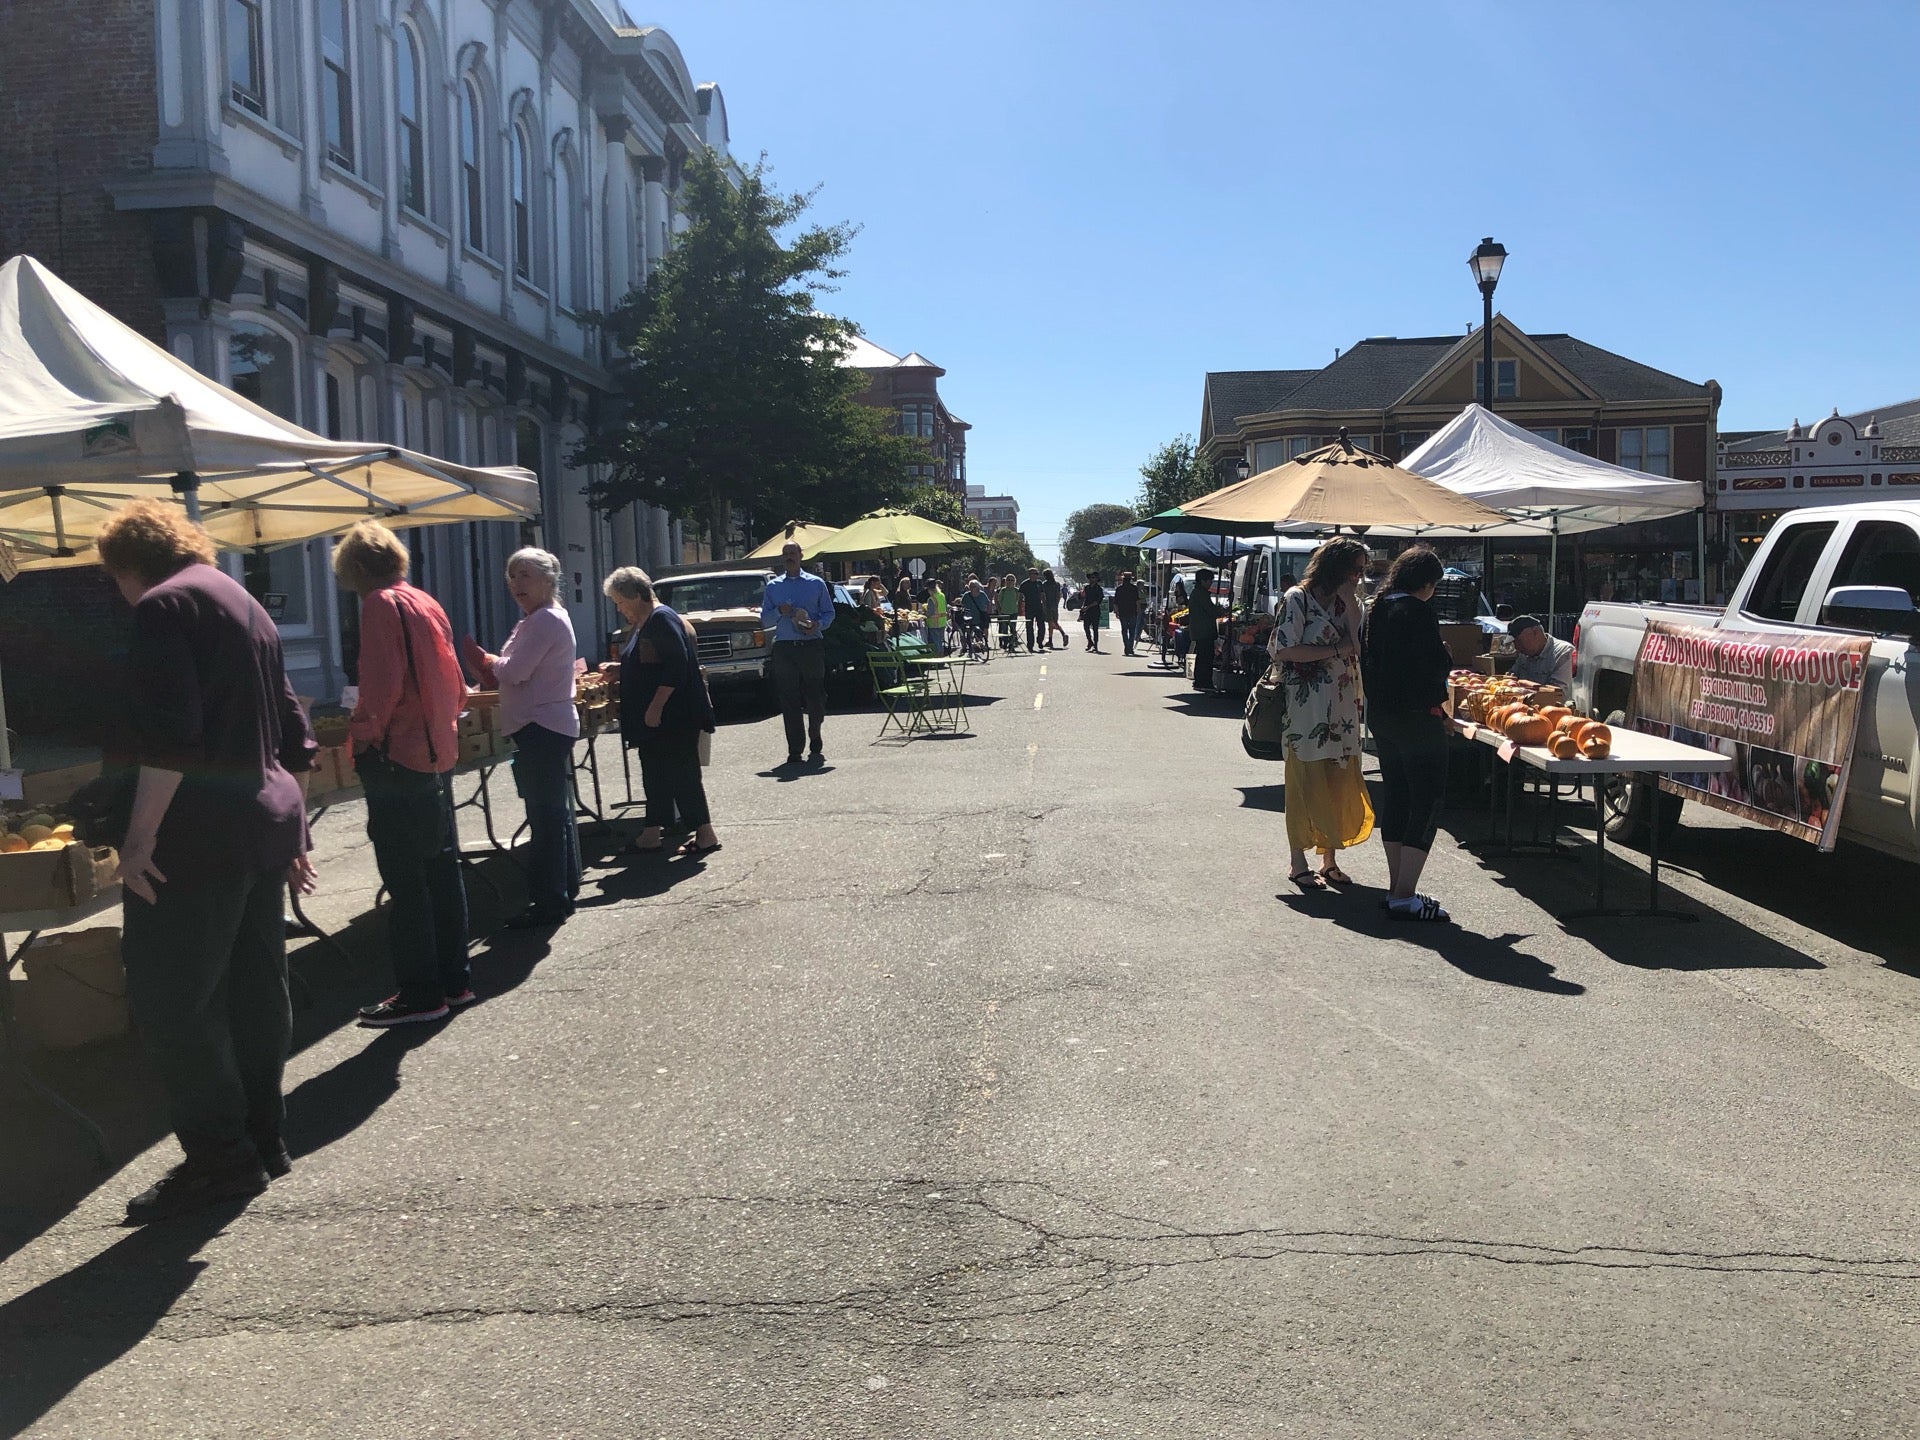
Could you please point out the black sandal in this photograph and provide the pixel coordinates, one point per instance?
(1308, 880)
(695, 849)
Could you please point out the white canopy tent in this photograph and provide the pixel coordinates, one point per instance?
(1544, 488)
(93, 414)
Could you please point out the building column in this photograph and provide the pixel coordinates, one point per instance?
(619, 209)
(653, 210)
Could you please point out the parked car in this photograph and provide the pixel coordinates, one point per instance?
(1852, 568)
(723, 606)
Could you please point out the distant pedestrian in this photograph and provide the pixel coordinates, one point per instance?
(798, 609)
(217, 832)
(1051, 596)
(936, 627)
(534, 673)
(1092, 597)
(1405, 662)
(1202, 615)
(664, 710)
(1007, 607)
(1126, 609)
(1033, 604)
(902, 595)
(1316, 639)
(405, 733)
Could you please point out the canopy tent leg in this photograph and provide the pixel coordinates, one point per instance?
(187, 486)
(1553, 571)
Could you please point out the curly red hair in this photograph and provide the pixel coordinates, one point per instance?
(151, 539)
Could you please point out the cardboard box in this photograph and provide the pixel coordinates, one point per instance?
(42, 788)
(476, 747)
(54, 879)
(1465, 643)
(76, 990)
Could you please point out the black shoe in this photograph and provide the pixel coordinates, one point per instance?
(534, 918)
(460, 1002)
(189, 1187)
(274, 1158)
(792, 760)
(818, 757)
(395, 1011)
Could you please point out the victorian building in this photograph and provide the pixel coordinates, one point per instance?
(1762, 474)
(993, 513)
(1390, 394)
(908, 386)
(383, 219)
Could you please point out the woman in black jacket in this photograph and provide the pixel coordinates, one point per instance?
(664, 707)
(1404, 665)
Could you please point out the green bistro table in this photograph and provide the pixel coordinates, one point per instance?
(946, 677)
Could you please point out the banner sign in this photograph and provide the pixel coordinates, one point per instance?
(1785, 707)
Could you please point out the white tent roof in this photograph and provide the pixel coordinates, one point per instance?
(92, 414)
(1543, 486)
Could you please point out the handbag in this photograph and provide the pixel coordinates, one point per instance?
(1263, 731)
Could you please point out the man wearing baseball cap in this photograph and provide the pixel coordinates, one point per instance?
(1543, 659)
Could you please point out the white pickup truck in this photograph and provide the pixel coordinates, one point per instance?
(1852, 568)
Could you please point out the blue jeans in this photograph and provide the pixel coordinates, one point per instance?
(417, 849)
(543, 776)
(1129, 632)
(937, 638)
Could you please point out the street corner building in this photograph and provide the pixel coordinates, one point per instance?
(385, 220)
(1391, 394)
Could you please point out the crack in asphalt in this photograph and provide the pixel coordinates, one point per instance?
(1050, 1250)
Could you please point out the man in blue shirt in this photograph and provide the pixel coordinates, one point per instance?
(798, 608)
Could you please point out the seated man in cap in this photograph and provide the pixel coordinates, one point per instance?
(1542, 658)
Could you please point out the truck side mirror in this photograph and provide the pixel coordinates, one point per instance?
(1877, 609)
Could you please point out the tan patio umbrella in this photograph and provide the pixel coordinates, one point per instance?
(1337, 486)
(806, 535)
(898, 533)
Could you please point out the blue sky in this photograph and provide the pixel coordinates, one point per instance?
(1078, 209)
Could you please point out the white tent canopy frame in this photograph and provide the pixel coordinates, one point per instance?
(93, 414)
(1544, 489)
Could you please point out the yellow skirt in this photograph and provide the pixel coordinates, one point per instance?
(1327, 806)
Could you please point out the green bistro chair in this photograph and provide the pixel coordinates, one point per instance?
(898, 690)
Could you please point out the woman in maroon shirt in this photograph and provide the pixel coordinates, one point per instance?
(405, 733)
(218, 830)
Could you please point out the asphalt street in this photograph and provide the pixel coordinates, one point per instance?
(999, 1085)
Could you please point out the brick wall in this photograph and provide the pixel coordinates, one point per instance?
(77, 110)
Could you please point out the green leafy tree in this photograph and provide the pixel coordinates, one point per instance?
(1078, 553)
(1176, 473)
(1009, 554)
(941, 505)
(733, 400)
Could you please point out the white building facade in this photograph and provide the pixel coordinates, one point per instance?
(399, 220)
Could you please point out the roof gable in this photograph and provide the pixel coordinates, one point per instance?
(1451, 381)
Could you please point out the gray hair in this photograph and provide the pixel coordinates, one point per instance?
(543, 562)
(629, 582)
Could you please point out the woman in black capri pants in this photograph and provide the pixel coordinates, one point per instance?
(1404, 665)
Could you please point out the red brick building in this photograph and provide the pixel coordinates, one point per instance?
(909, 386)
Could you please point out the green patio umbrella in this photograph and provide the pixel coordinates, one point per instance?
(795, 530)
(897, 533)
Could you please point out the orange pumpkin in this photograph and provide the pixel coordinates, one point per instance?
(1527, 728)
(1595, 741)
(1562, 746)
(1568, 721)
(1555, 713)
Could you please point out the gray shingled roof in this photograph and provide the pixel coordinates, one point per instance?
(1899, 425)
(1614, 377)
(1374, 374)
(1232, 393)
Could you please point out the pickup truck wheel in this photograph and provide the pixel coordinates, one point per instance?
(1632, 809)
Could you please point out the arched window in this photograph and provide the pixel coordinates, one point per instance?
(336, 81)
(473, 194)
(565, 208)
(522, 203)
(413, 128)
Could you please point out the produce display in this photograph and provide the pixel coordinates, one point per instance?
(1529, 714)
(34, 830)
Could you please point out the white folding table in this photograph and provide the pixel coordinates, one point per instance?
(1644, 757)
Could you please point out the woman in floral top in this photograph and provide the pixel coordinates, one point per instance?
(1317, 642)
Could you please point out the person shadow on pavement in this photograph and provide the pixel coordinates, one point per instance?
(1493, 958)
(57, 1335)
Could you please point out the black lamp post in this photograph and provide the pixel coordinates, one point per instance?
(1485, 262)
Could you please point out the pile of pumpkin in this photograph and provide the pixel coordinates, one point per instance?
(1563, 734)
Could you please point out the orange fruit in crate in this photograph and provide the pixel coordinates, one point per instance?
(12, 845)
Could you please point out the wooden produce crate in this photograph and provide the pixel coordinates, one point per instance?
(54, 879)
(75, 991)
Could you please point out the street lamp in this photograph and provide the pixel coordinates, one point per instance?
(1485, 262)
